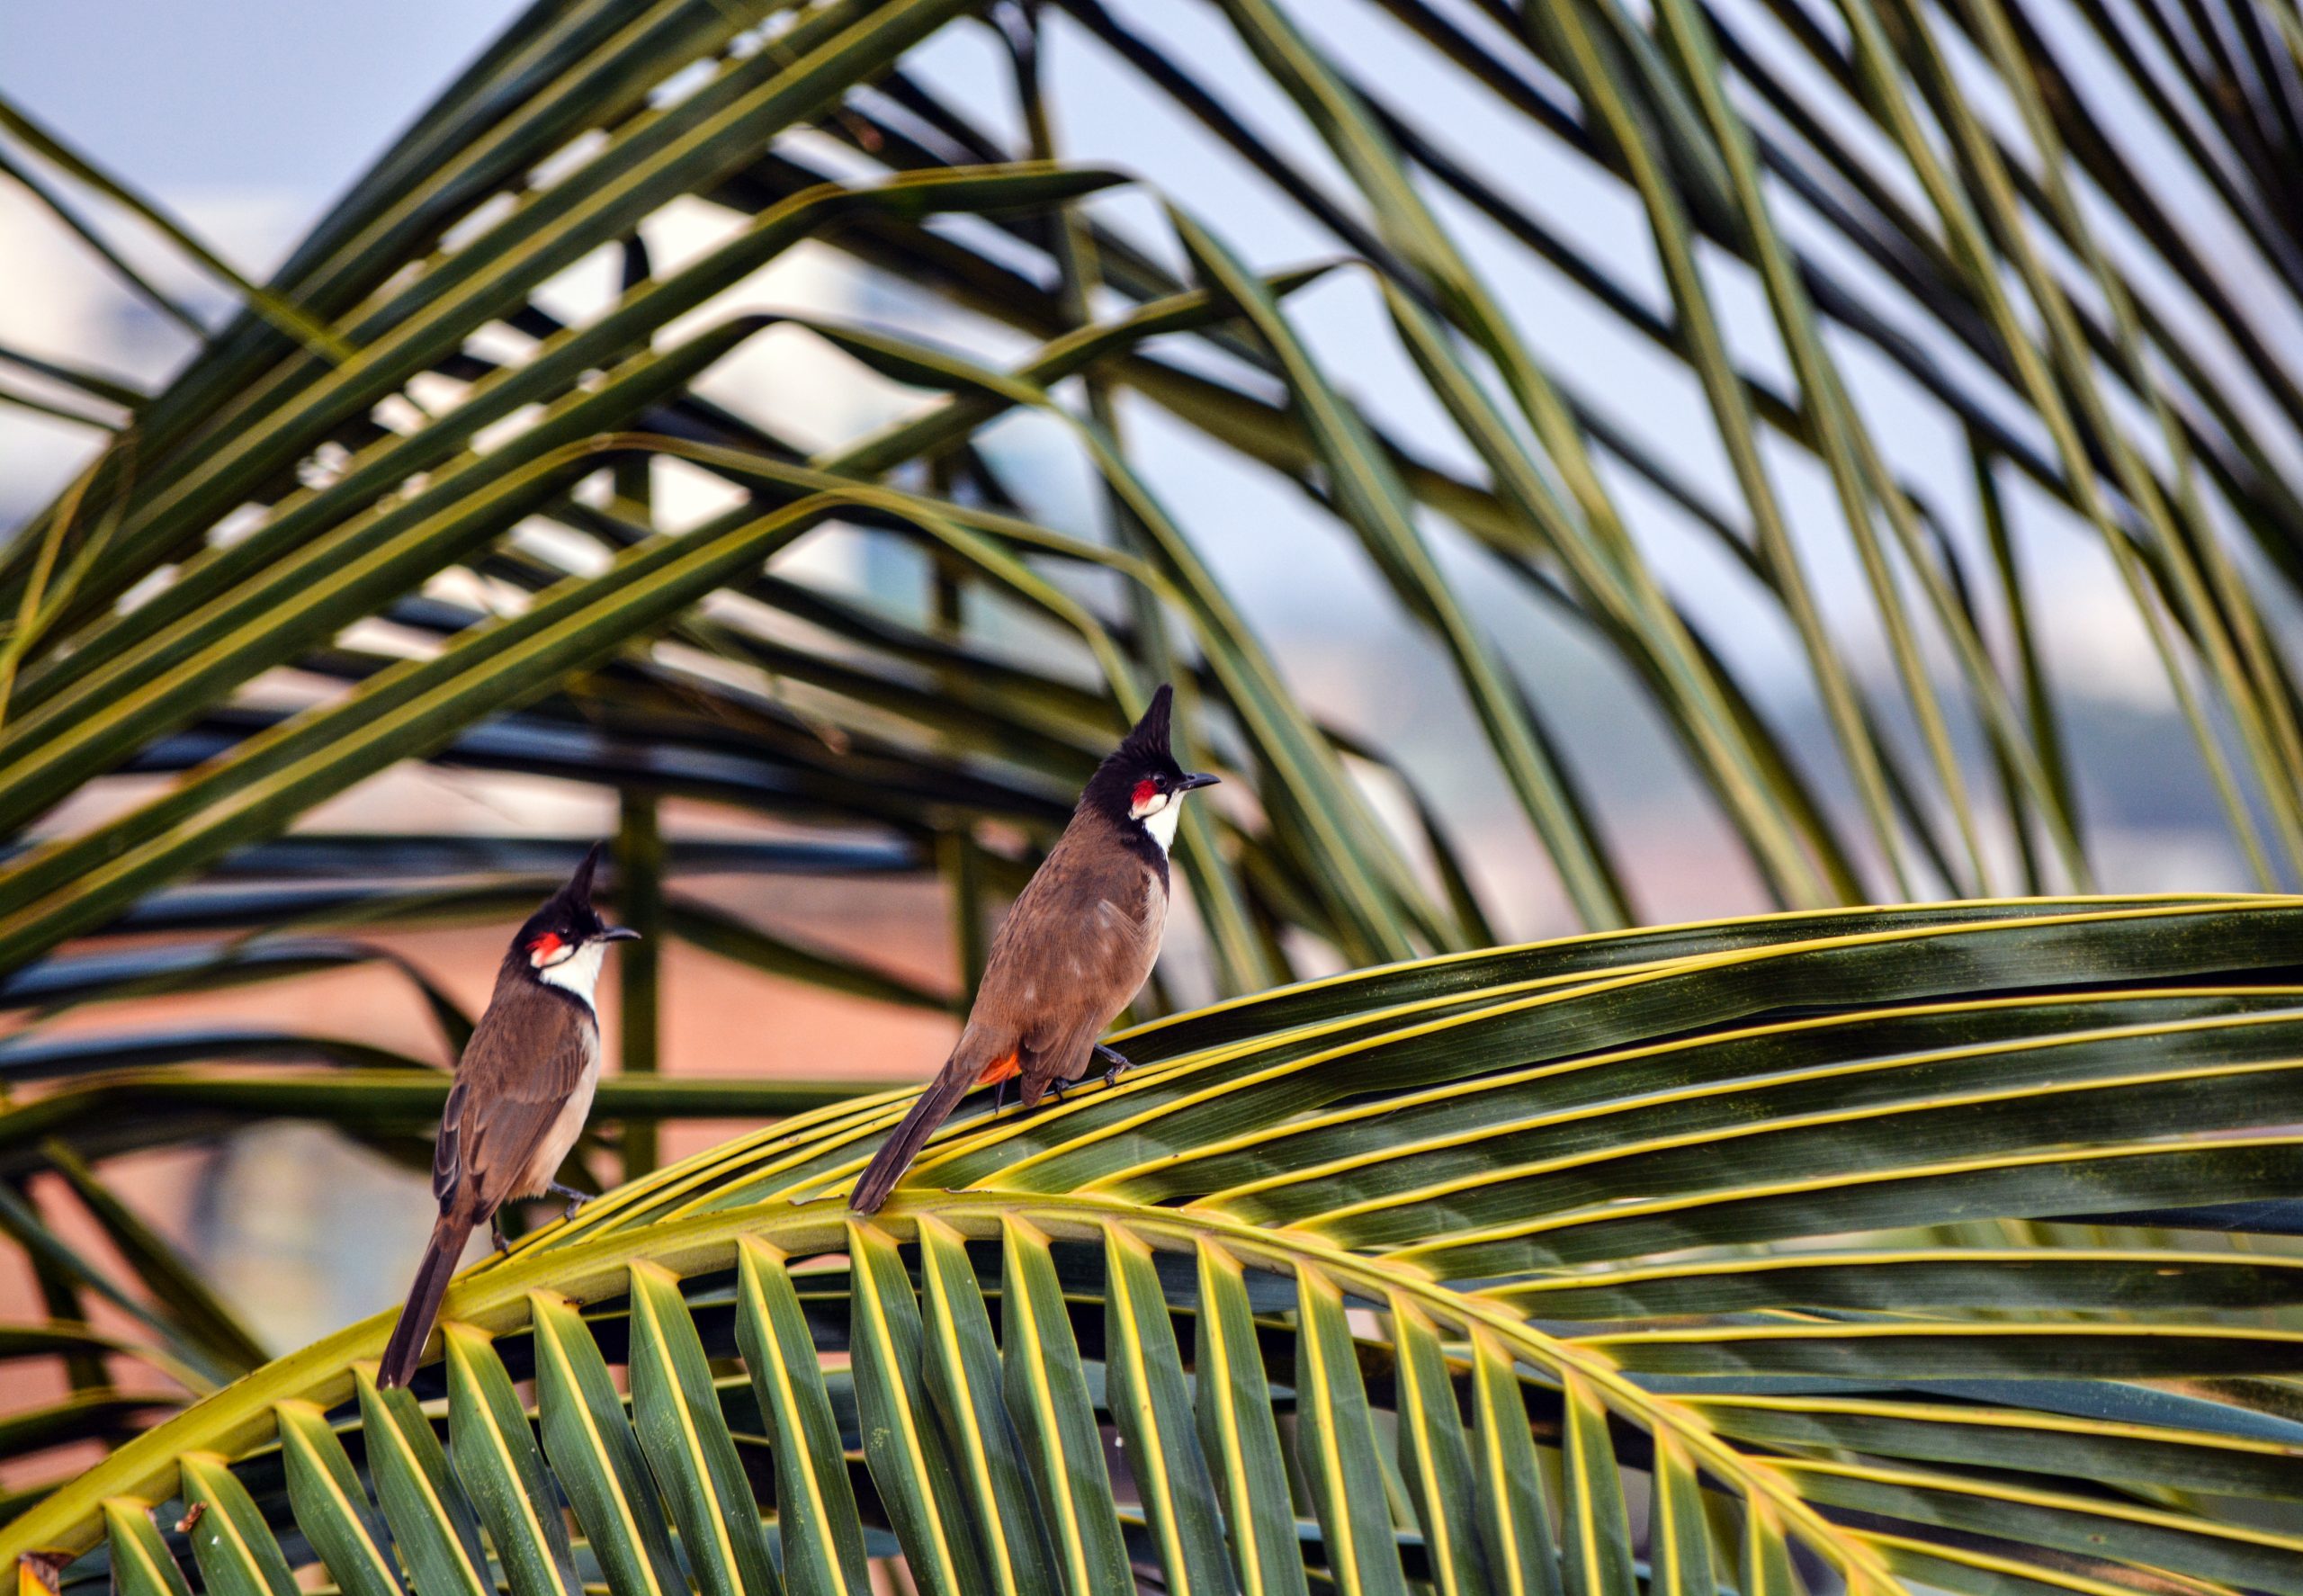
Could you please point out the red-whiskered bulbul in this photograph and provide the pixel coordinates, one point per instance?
(1072, 953)
(522, 1091)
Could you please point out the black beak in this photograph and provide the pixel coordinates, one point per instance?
(1190, 782)
(617, 934)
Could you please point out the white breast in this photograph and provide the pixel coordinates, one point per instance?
(1162, 824)
(579, 972)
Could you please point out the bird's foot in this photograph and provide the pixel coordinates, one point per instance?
(576, 1199)
(998, 1096)
(1055, 1089)
(495, 1235)
(1113, 1063)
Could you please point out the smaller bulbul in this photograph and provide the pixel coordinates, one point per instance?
(522, 1091)
(1072, 953)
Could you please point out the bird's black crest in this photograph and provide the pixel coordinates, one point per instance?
(1149, 741)
(578, 889)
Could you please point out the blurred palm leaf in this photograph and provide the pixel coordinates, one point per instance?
(1822, 1251)
(2145, 437)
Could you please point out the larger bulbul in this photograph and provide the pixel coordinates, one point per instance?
(522, 1090)
(1072, 953)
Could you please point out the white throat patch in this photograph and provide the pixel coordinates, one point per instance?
(1161, 822)
(579, 972)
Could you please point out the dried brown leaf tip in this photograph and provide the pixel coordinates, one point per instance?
(40, 1574)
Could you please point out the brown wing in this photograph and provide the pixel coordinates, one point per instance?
(526, 1056)
(447, 1154)
(1075, 949)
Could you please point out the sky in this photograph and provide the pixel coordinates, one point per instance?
(256, 96)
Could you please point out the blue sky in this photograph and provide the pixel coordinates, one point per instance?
(275, 94)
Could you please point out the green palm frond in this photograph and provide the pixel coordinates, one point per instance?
(1862, 1247)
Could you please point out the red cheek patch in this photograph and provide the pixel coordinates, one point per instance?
(1145, 791)
(543, 946)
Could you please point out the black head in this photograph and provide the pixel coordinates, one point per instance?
(1141, 781)
(567, 921)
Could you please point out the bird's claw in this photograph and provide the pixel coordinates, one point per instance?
(495, 1235)
(1113, 1063)
(576, 1199)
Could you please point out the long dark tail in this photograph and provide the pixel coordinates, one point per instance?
(903, 1143)
(414, 1326)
